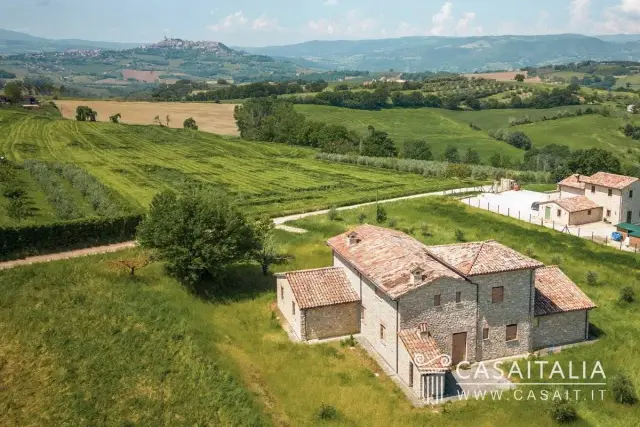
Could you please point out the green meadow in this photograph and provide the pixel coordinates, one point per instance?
(83, 343)
(139, 161)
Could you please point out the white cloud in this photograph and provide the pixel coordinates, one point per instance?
(622, 18)
(441, 19)
(230, 23)
(405, 30)
(579, 14)
(330, 2)
(353, 25)
(466, 25)
(263, 23)
(630, 6)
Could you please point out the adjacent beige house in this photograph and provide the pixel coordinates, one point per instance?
(618, 195)
(571, 211)
(426, 308)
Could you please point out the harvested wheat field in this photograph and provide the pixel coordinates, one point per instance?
(215, 118)
(504, 76)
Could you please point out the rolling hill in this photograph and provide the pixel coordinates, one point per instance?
(456, 54)
(13, 42)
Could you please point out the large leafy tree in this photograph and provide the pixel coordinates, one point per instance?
(378, 144)
(198, 234)
(417, 149)
(592, 160)
(268, 252)
(84, 113)
(13, 91)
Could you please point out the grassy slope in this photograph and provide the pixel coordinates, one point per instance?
(422, 123)
(583, 132)
(138, 161)
(150, 318)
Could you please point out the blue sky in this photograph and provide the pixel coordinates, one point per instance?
(260, 23)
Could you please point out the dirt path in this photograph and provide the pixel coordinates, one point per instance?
(66, 255)
(279, 222)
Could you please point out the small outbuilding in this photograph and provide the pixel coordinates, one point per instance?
(630, 232)
(319, 303)
(571, 211)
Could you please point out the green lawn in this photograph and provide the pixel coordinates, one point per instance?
(83, 344)
(431, 124)
(139, 161)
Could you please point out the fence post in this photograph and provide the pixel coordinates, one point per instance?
(498, 208)
(508, 211)
(553, 224)
(606, 240)
(592, 234)
(518, 214)
(529, 218)
(578, 231)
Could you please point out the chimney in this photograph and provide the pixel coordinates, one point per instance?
(416, 275)
(352, 239)
(423, 329)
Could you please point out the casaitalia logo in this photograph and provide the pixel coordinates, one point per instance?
(540, 379)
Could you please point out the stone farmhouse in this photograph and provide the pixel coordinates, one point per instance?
(599, 197)
(424, 308)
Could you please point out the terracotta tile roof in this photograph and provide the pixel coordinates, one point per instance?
(556, 293)
(575, 204)
(610, 180)
(482, 258)
(423, 350)
(321, 287)
(574, 181)
(387, 258)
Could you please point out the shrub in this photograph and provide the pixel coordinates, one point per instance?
(529, 251)
(556, 260)
(563, 412)
(393, 223)
(361, 218)
(332, 214)
(381, 214)
(115, 118)
(327, 412)
(348, 342)
(84, 113)
(190, 123)
(424, 230)
(627, 294)
(623, 390)
(592, 278)
(460, 237)
(25, 240)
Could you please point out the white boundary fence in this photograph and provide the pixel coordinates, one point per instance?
(531, 219)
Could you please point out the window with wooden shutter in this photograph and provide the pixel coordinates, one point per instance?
(458, 296)
(281, 292)
(382, 332)
(485, 334)
(497, 294)
(362, 312)
(436, 300)
(293, 308)
(512, 332)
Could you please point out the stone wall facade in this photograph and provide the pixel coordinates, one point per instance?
(332, 321)
(380, 318)
(405, 365)
(449, 318)
(516, 308)
(560, 328)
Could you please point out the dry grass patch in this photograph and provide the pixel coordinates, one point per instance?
(215, 118)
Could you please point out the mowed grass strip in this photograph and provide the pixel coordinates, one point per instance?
(140, 161)
(68, 325)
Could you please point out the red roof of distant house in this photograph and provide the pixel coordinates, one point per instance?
(423, 350)
(605, 179)
(321, 287)
(477, 258)
(610, 180)
(556, 293)
(574, 181)
(575, 204)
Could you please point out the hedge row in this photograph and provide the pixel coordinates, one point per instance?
(23, 240)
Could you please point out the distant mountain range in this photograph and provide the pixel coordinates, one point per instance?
(12, 42)
(456, 54)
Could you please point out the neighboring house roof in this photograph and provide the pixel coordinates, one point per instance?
(556, 293)
(482, 258)
(321, 287)
(575, 204)
(387, 258)
(574, 181)
(423, 350)
(610, 180)
(632, 229)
